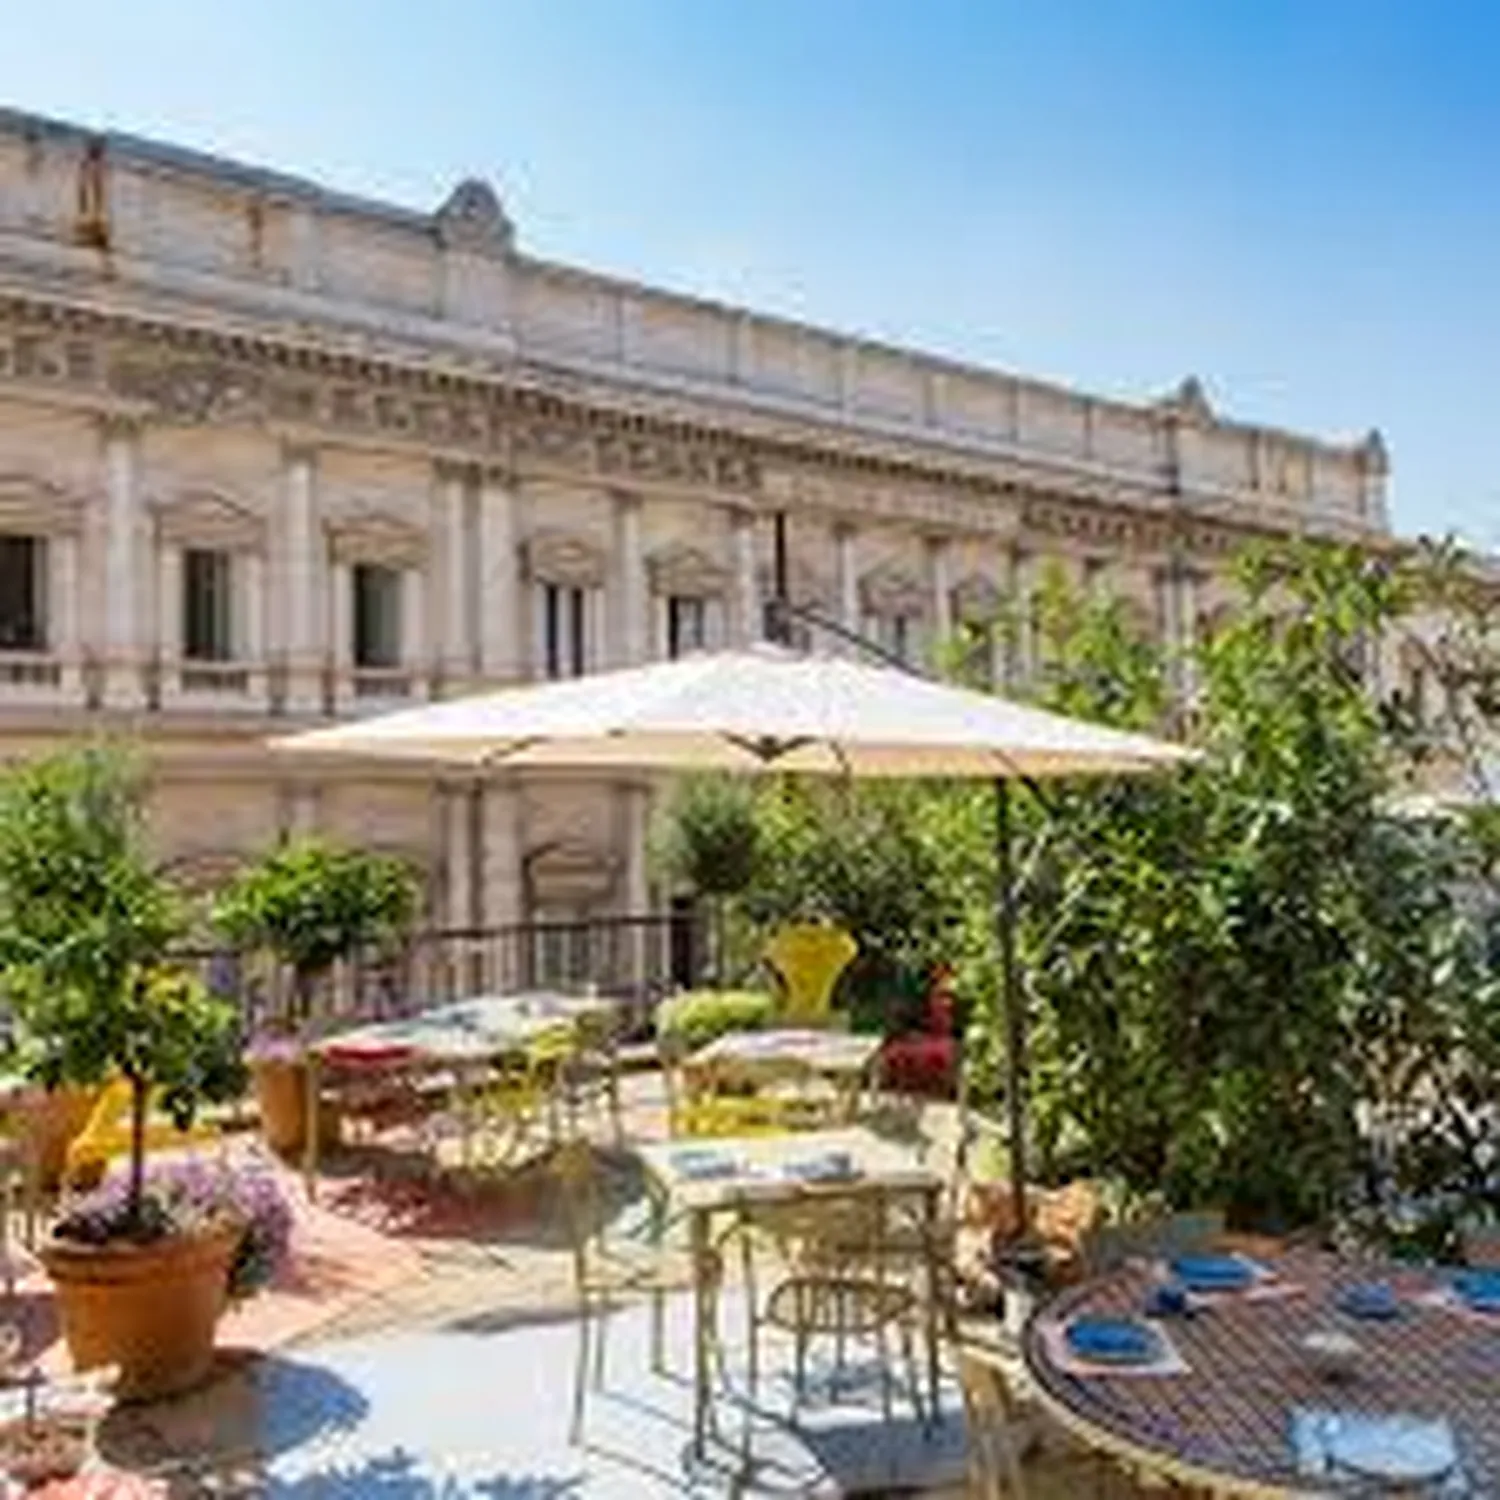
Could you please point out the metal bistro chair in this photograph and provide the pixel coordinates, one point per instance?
(991, 1420)
(611, 1267)
(807, 960)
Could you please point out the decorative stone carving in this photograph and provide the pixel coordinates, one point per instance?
(375, 537)
(687, 572)
(976, 600)
(207, 518)
(1190, 402)
(472, 219)
(566, 559)
(38, 507)
(191, 391)
(894, 591)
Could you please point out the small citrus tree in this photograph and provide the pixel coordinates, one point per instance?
(312, 902)
(85, 927)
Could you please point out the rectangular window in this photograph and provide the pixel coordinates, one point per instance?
(687, 625)
(207, 605)
(564, 630)
(894, 634)
(377, 616)
(23, 593)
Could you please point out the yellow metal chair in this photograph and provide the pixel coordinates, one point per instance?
(107, 1136)
(698, 1106)
(807, 960)
(522, 1100)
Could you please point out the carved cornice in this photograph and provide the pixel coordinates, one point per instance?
(39, 507)
(687, 571)
(535, 421)
(207, 518)
(565, 558)
(376, 537)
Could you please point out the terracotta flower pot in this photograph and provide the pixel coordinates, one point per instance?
(52, 1118)
(281, 1095)
(152, 1310)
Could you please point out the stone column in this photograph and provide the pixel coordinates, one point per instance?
(499, 581)
(940, 585)
(745, 611)
(169, 638)
(846, 581)
(124, 685)
(459, 808)
(65, 635)
(302, 568)
(629, 644)
(501, 893)
(457, 653)
(250, 643)
(414, 654)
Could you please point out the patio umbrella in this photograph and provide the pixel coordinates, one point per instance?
(767, 709)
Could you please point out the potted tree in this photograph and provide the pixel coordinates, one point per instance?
(85, 925)
(309, 903)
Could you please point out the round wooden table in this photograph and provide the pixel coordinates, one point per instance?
(1223, 1426)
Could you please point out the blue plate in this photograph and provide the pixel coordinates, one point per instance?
(1113, 1341)
(1213, 1273)
(1374, 1300)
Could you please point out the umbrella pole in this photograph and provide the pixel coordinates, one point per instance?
(1012, 1006)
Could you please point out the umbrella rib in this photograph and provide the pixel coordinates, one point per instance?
(767, 749)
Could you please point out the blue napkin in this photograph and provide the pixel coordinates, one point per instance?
(1318, 1437)
(704, 1166)
(1375, 1300)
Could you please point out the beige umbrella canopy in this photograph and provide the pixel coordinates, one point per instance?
(762, 709)
(767, 709)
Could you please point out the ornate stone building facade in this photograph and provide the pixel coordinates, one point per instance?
(270, 454)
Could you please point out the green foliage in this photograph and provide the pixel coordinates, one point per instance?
(694, 1019)
(312, 902)
(707, 837)
(85, 925)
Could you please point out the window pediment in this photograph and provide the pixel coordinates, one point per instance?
(207, 518)
(38, 507)
(570, 873)
(566, 559)
(895, 591)
(687, 572)
(377, 537)
(976, 600)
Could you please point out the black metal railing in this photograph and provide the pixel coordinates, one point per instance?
(636, 958)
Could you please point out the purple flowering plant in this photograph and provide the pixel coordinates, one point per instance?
(193, 1196)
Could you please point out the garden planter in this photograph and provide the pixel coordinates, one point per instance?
(53, 1117)
(151, 1310)
(281, 1095)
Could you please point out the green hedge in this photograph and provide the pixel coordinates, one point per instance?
(694, 1019)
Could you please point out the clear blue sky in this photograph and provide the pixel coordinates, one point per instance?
(1295, 199)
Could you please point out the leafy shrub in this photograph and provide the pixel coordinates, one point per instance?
(311, 903)
(694, 1019)
(85, 924)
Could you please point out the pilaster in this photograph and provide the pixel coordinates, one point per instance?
(628, 643)
(846, 581)
(457, 650)
(301, 559)
(745, 608)
(499, 602)
(940, 584)
(501, 898)
(124, 638)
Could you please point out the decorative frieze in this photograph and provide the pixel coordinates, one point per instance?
(688, 572)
